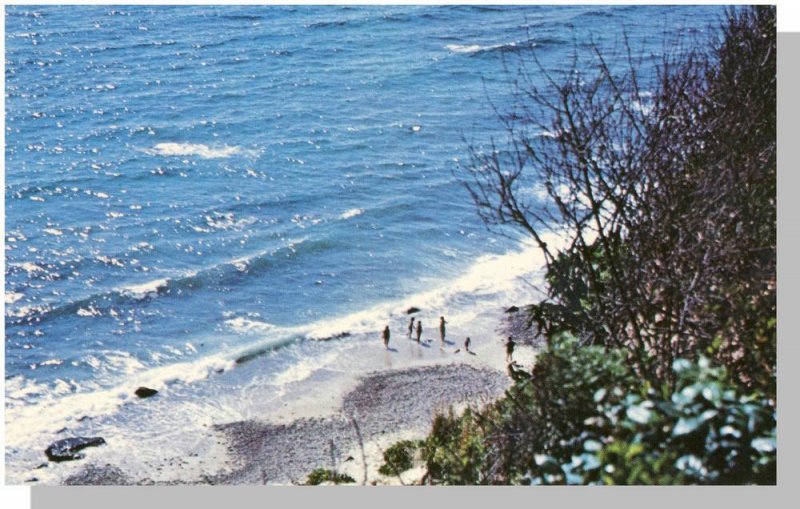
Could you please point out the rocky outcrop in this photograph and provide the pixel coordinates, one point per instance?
(145, 392)
(67, 449)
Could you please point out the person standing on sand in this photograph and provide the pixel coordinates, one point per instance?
(419, 330)
(386, 337)
(441, 327)
(411, 327)
(510, 349)
(467, 343)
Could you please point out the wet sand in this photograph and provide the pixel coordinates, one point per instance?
(347, 433)
(384, 407)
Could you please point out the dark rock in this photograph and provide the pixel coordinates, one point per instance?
(32, 479)
(341, 335)
(67, 449)
(512, 309)
(251, 355)
(43, 465)
(62, 430)
(145, 392)
(412, 310)
(84, 418)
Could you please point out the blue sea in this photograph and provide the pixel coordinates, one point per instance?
(186, 187)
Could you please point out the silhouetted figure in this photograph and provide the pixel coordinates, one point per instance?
(441, 327)
(467, 342)
(510, 349)
(419, 330)
(386, 337)
(411, 327)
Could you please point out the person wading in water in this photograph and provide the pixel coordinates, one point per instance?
(386, 337)
(441, 328)
(510, 349)
(411, 327)
(419, 330)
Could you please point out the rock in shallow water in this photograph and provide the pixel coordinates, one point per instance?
(145, 392)
(67, 449)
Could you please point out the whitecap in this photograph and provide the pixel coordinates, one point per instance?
(110, 261)
(458, 48)
(143, 290)
(53, 231)
(246, 326)
(91, 311)
(351, 213)
(51, 362)
(476, 48)
(29, 267)
(191, 149)
(12, 297)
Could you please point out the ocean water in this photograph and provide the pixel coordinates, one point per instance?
(190, 186)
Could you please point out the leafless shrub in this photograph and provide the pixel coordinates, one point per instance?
(666, 193)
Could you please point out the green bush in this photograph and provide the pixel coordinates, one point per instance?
(322, 475)
(454, 452)
(542, 413)
(705, 432)
(399, 457)
(583, 417)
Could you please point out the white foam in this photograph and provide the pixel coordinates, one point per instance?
(351, 213)
(306, 367)
(53, 231)
(475, 48)
(192, 149)
(143, 290)
(88, 312)
(458, 48)
(26, 310)
(52, 362)
(110, 261)
(29, 267)
(12, 297)
(247, 326)
(30, 425)
(227, 221)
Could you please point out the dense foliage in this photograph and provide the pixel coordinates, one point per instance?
(660, 364)
(323, 475)
(398, 458)
(665, 192)
(587, 420)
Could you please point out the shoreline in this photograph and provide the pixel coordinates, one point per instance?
(344, 423)
(384, 407)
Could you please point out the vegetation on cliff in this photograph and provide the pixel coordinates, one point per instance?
(660, 320)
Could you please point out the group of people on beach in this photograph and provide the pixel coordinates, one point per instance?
(442, 332)
(418, 329)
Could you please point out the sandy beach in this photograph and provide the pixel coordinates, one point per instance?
(383, 408)
(347, 431)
